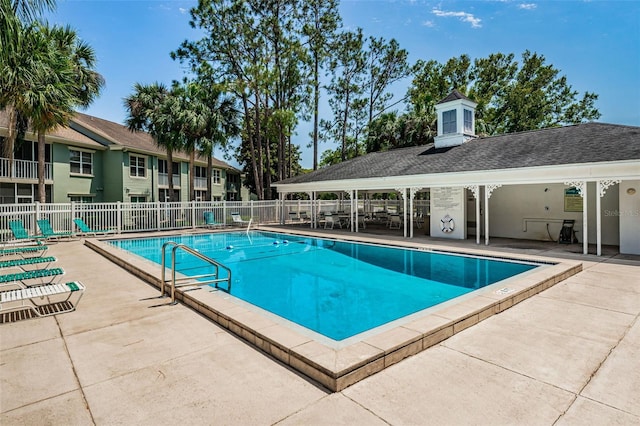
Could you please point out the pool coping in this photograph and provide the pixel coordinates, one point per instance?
(339, 367)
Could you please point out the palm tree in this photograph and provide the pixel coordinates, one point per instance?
(19, 59)
(206, 120)
(152, 108)
(66, 80)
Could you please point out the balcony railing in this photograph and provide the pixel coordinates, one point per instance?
(200, 183)
(163, 180)
(23, 169)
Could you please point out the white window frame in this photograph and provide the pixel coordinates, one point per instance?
(137, 166)
(82, 161)
(449, 124)
(216, 177)
(468, 123)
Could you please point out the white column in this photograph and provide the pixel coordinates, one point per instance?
(581, 187)
(601, 189)
(488, 189)
(281, 195)
(475, 189)
(356, 209)
(403, 194)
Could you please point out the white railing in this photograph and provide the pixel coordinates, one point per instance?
(163, 180)
(200, 183)
(156, 216)
(23, 169)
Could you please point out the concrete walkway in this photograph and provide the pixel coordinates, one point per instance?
(569, 355)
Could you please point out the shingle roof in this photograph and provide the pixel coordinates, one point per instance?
(581, 143)
(119, 134)
(454, 96)
(64, 133)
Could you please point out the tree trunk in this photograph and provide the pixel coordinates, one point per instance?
(170, 173)
(10, 141)
(42, 196)
(316, 106)
(252, 147)
(209, 177)
(192, 178)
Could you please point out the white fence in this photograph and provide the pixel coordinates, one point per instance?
(156, 216)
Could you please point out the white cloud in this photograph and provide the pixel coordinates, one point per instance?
(463, 16)
(429, 24)
(527, 6)
(183, 10)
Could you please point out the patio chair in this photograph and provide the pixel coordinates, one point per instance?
(210, 220)
(20, 233)
(394, 221)
(567, 233)
(43, 300)
(25, 252)
(47, 231)
(330, 221)
(26, 279)
(25, 264)
(237, 219)
(304, 217)
(86, 231)
(293, 217)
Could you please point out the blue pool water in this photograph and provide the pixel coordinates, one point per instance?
(335, 288)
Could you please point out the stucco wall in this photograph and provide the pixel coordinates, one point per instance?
(523, 211)
(629, 215)
(66, 183)
(449, 202)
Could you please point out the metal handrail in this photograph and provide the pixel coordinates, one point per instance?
(190, 279)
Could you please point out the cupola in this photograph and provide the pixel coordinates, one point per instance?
(456, 120)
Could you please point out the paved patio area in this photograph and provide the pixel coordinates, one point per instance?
(568, 355)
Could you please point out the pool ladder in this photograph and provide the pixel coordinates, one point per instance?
(212, 278)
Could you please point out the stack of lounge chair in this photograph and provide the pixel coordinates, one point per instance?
(29, 287)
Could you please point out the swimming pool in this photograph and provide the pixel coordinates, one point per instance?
(336, 288)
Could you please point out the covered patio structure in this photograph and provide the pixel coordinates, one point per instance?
(523, 185)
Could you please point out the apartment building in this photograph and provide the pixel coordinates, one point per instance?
(96, 160)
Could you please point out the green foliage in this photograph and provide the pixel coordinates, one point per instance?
(511, 96)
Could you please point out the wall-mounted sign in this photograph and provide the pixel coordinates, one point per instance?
(572, 200)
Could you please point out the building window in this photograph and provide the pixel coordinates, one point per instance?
(137, 167)
(216, 177)
(163, 195)
(449, 121)
(468, 121)
(200, 172)
(200, 195)
(81, 162)
(85, 199)
(217, 198)
(162, 167)
(138, 199)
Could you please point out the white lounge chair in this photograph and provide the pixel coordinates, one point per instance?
(42, 300)
(237, 219)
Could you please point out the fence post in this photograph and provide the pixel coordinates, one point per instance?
(158, 215)
(251, 210)
(119, 216)
(193, 214)
(224, 212)
(37, 217)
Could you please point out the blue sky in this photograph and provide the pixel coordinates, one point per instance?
(595, 44)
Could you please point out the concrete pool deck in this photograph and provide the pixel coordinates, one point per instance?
(566, 355)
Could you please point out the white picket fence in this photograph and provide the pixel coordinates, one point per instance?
(156, 216)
